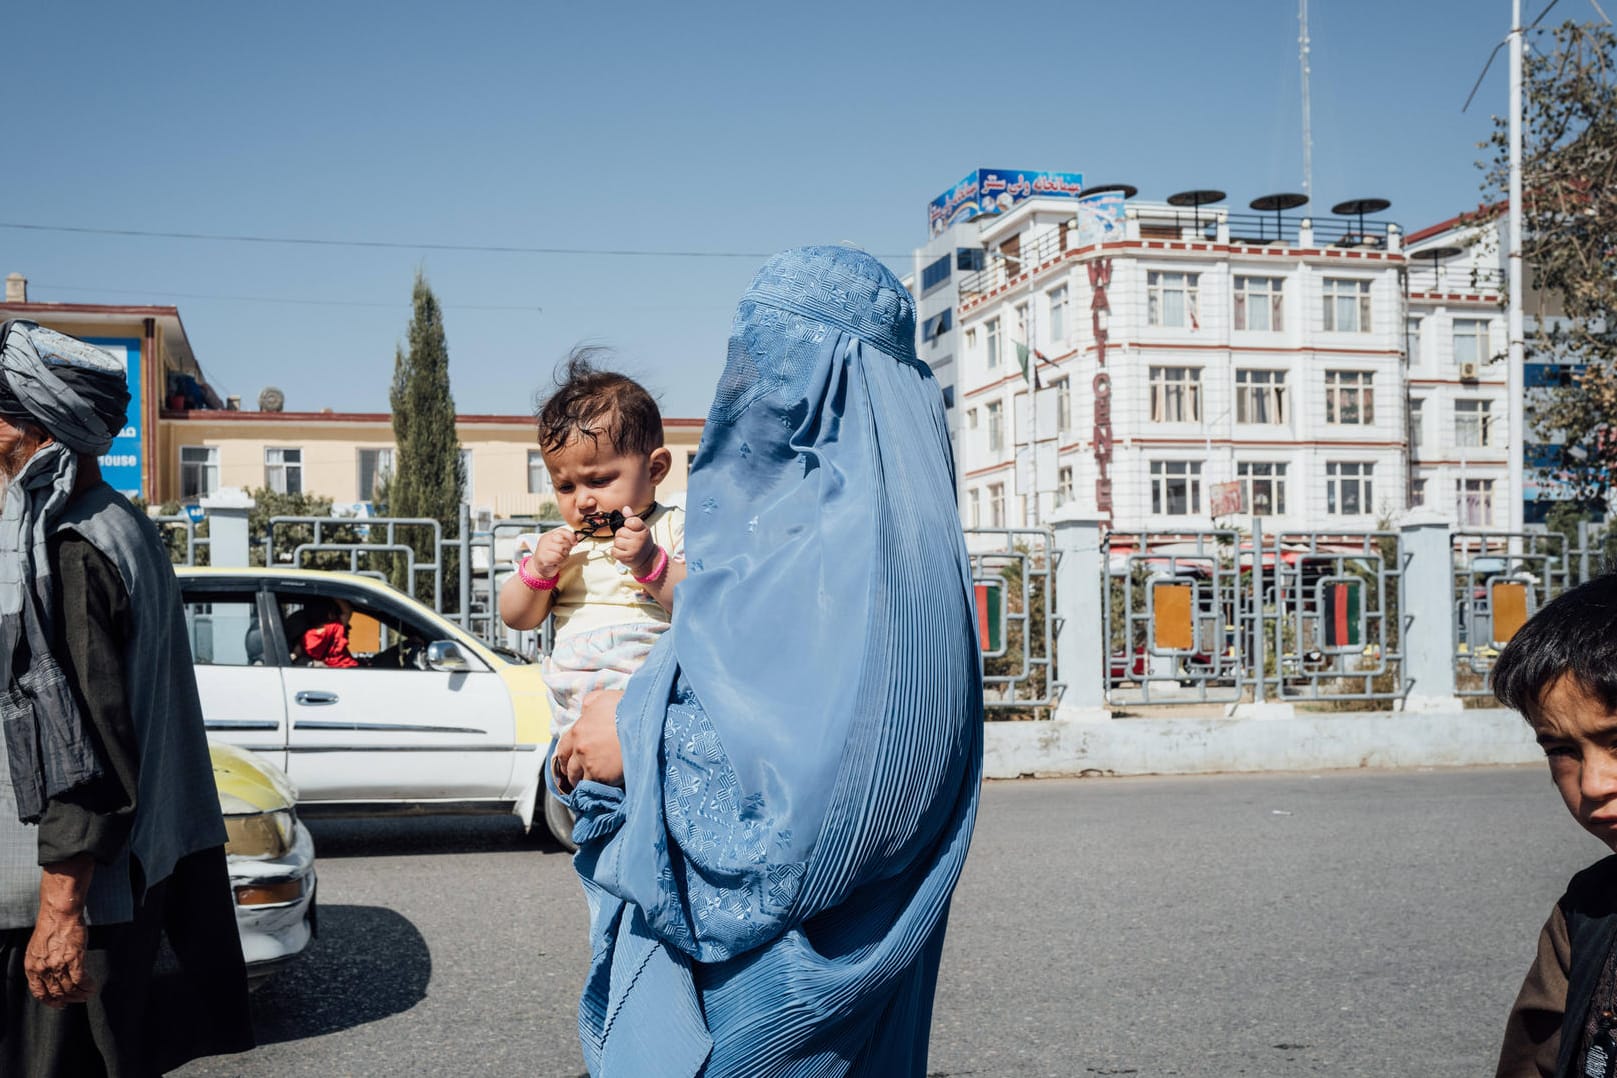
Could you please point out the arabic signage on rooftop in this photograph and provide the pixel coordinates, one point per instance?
(995, 190)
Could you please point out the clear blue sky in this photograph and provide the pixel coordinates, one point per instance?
(691, 127)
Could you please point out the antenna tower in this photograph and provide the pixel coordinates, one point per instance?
(1308, 132)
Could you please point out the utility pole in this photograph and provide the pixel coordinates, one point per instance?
(1514, 390)
(1308, 132)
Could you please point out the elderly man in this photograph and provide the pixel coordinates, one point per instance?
(110, 835)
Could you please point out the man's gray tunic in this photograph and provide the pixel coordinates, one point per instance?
(177, 807)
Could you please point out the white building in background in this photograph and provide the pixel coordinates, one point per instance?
(1181, 349)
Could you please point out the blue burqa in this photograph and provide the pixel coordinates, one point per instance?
(802, 751)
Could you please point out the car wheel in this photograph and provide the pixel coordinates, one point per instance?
(559, 821)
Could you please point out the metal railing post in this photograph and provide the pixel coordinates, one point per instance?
(227, 527)
(1428, 612)
(466, 566)
(1080, 574)
(1257, 607)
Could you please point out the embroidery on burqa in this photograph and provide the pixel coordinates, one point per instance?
(704, 801)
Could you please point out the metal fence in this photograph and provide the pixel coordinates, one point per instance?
(1222, 617)
(1012, 571)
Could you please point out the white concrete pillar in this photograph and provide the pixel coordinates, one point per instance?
(1427, 610)
(1080, 608)
(227, 527)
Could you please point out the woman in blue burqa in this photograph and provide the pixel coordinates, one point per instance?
(773, 817)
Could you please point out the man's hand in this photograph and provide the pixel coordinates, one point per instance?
(632, 545)
(551, 553)
(54, 961)
(590, 749)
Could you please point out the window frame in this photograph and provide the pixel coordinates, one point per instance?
(209, 468)
(1056, 302)
(991, 342)
(383, 454)
(1260, 389)
(1157, 290)
(1481, 489)
(1272, 290)
(1477, 422)
(1274, 479)
(1362, 478)
(996, 425)
(1360, 391)
(1357, 291)
(1480, 331)
(1170, 394)
(1165, 474)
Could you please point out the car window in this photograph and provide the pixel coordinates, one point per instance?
(223, 629)
(377, 637)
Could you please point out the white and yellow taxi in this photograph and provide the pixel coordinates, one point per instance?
(430, 720)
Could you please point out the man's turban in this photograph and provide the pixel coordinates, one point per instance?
(79, 393)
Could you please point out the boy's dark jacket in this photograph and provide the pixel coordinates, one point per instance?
(1547, 1019)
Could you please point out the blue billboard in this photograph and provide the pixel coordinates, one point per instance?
(995, 190)
(120, 465)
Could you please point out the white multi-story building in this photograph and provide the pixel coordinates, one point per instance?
(1180, 351)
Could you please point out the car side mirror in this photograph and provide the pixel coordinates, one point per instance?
(445, 656)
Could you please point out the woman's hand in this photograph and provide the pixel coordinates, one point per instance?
(590, 748)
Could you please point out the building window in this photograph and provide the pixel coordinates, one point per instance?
(1350, 398)
(1063, 388)
(1176, 394)
(934, 274)
(1260, 396)
(1265, 483)
(1259, 304)
(937, 325)
(1472, 423)
(538, 474)
(283, 470)
(1348, 488)
(1417, 422)
(1412, 338)
(996, 505)
(1176, 487)
(375, 466)
(1064, 485)
(974, 508)
(1474, 502)
(466, 494)
(948, 396)
(1470, 340)
(996, 427)
(1347, 305)
(1058, 314)
(1171, 299)
(1417, 493)
(1021, 324)
(991, 334)
(971, 419)
(199, 471)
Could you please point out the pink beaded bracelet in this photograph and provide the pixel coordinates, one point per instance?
(536, 583)
(657, 568)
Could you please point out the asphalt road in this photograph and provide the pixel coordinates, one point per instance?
(1347, 923)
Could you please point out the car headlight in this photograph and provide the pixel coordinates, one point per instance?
(261, 834)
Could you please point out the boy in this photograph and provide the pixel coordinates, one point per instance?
(1560, 672)
(609, 576)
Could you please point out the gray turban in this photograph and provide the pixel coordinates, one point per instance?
(76, 391)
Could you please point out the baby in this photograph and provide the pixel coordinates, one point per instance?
(608, 576)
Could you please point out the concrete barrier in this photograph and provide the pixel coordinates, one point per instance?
(1307, 742)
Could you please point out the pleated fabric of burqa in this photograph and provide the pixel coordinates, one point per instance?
(803, 749)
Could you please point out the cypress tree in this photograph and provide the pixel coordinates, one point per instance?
(428, 479)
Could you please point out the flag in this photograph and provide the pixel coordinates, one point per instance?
(1030, 371)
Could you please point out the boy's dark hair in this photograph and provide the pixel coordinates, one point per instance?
(1573, 635)
(591, 403)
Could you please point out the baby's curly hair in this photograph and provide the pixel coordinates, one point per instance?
(593, 403)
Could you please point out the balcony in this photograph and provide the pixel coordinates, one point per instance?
(1450, 279)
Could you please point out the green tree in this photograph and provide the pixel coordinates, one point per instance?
(1569, 235)
(428, 479)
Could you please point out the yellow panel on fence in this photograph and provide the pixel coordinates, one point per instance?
(1510, 609)
(1172, 628)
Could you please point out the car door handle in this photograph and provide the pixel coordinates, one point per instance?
(316, 699)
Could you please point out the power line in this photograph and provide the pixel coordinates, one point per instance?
(403, 303)
(391, 245)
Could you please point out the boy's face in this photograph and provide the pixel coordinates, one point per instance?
(592, 477)
(1579, 735)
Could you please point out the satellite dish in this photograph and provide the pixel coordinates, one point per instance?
(271, 400)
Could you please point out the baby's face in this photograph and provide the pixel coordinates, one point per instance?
(1579, 735)
(592, 477)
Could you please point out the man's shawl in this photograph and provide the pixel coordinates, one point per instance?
(802, 751)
